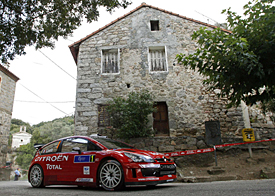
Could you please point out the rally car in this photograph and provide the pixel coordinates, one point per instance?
(98, 161)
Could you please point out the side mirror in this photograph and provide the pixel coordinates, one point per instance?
(77, 149)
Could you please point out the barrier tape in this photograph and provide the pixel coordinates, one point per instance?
(206, 150)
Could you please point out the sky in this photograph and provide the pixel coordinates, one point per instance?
(47, 86)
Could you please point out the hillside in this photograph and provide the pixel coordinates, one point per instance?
(42, 133)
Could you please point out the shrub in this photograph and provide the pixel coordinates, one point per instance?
(130, 116)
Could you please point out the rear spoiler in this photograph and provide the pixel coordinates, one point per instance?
(38, 146)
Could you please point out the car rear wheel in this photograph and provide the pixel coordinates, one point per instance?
(111, 175)
(36, 176)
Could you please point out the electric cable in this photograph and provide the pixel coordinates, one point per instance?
(44, 100)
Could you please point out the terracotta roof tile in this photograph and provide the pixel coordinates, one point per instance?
(8, 73)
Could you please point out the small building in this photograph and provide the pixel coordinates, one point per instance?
(7, 91)
(20, 138)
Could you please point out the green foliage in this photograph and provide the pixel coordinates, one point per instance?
(49, 131)
(41, 22)
(240, 63)
(43, 133)
(25, 155)
(15, 127)
(130, 116)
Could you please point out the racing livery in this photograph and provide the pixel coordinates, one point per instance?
(98, 161)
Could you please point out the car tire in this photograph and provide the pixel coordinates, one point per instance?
(37, 176)
(111, 175)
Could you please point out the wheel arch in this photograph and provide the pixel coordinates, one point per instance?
(99, 166)
(43, 182)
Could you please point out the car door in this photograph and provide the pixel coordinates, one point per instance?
(51, 161)
(81, 160)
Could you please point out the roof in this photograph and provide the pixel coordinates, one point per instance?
(8, 73)
(21, 133)
(75, 46)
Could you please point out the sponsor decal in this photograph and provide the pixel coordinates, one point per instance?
(170, 180)
(155, 153)
(53, 167)
(52, 158)
(147, 179)
(84, 180)
(84, 158)
(167, 166)
(151, 165)
(86, 170)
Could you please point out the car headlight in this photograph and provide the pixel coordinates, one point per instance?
(139, 158)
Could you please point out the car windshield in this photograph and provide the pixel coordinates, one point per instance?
(112, 144)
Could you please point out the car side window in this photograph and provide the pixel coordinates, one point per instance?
(70, 143)
(52, 148)
(93, 147)
(83, 144)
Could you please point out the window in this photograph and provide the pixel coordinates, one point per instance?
(103, 116)
(154, 25)
(83, 144)
(69, 144)
(110, 61)
(52, 148)
(157, 59)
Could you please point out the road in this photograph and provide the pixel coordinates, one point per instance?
(229, 188)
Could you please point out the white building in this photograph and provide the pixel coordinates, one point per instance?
(20, 138)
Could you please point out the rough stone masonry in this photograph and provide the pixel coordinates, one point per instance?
(189, 102)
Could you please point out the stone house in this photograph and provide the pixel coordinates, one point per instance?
(137, 51)
(7, 91)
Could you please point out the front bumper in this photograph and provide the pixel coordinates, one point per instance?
(150, 182)
(149, 174)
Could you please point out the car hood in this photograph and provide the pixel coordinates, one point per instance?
(152, 154)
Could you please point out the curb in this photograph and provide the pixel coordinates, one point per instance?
(196, 179)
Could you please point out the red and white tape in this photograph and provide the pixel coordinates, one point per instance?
(189, 152)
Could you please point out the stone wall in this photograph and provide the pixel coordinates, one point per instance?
(189, 103)
(7, 91)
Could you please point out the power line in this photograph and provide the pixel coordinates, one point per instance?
(56, 64)
(44, 100)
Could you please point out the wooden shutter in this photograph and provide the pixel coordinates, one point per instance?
(103, 117)
(157, 59)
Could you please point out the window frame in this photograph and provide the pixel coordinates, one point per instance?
(46, 147)
(110, 50)
(154, 25)
(165, 55)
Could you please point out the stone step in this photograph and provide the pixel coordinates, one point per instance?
(195, 179)
(215, 170)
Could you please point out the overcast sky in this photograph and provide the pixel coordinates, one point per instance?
(47, 86)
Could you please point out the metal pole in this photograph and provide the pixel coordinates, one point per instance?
(250, 150)
(215, 156)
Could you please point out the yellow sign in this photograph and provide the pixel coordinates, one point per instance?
(248, 135)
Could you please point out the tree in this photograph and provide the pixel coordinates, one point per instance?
(43, 133)
(130, 116)
(240, 63)
(41, 22)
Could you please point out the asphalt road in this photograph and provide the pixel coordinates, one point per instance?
(228, 188)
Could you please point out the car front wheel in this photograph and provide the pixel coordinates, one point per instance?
(111, 175)
(36, 176)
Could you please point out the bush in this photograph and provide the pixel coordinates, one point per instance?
(130, 116)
